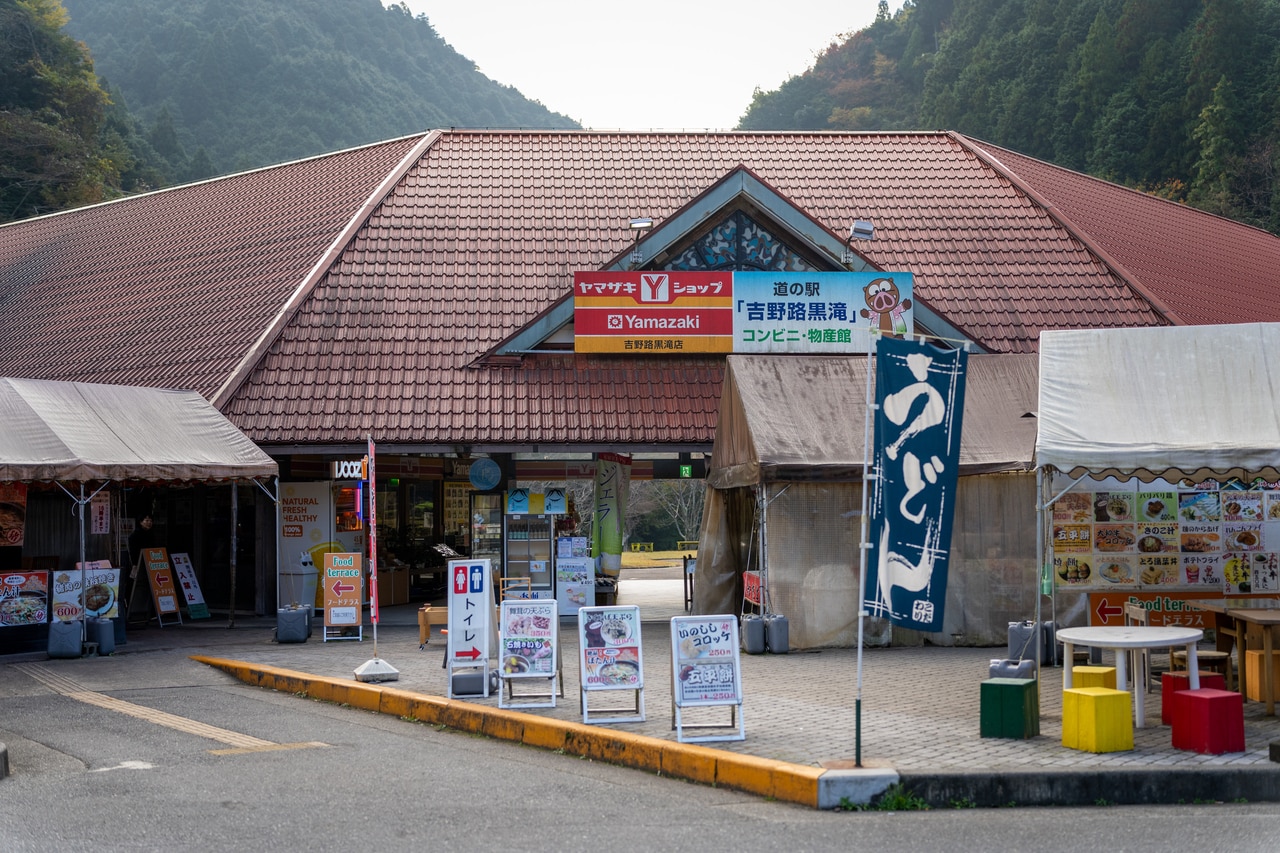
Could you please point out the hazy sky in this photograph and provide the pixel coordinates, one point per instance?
(653, 65)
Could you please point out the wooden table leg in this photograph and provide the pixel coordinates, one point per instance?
(1242, 642)
(1267, 675)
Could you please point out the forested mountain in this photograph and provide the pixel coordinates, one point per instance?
(1175, 97)
(226, 85)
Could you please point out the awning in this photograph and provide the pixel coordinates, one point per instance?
(798, 418)
(81, 432)
(1179, 402)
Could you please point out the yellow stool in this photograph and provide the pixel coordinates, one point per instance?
(1097, 719)
(1094, 676)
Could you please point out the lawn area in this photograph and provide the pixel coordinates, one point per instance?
(652, 559)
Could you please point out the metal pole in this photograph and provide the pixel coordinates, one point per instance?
(863, 545)
(84, 623)
(235, 530)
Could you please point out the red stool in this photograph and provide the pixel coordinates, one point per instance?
(1208, 721)
(1179, 679)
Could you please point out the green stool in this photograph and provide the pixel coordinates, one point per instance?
(1010, 708)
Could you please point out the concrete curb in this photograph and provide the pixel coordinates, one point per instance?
(1087, 787)
(780, 780)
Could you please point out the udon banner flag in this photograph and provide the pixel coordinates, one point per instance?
(920, 397)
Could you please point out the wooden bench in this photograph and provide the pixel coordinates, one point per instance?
(641, 546)
(687, 544)
(428, 616)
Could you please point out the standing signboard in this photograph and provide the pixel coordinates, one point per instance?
(529, 648)
(610, 658)
(190, 586)
(705, 671)
(575, 584)
(164, 591)
(343, 591)
(470, 620)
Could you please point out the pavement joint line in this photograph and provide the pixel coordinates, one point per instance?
(780, 780)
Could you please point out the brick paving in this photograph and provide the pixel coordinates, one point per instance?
(920, 706)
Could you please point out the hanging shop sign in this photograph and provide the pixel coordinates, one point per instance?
(13, 513)
(672, 311)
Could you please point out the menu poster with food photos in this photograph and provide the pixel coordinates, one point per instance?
(609, 640)
(24, 598)
(527, 637)
(705, 666)
(1160, 535)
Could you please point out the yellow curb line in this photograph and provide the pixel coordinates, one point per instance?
(781, 780)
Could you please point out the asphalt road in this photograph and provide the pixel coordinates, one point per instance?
(98, 766)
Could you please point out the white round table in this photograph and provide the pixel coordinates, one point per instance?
(1123, 638)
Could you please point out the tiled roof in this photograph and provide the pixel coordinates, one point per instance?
(1207, 270)
(169, 289)
(485, 231)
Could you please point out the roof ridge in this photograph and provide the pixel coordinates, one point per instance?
(974, 147)
(318, 271)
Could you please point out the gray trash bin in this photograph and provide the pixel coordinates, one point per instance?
(298, 583)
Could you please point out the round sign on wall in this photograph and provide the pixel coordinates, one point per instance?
(485, 474)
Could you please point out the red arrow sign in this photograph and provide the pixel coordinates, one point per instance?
(162, 580)
(339, 588)
(1106, 611)
(472, 653)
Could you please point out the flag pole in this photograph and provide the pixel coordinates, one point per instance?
(375, 669)
(863, 544)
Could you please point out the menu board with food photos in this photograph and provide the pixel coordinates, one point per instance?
(1224, 536)
(24, 598)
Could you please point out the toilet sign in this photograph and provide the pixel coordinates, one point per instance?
(470, 611)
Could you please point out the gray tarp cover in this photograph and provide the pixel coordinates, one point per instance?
(1173, 402)
(75, 431)
(802, 418)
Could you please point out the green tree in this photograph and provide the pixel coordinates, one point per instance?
(51, 108)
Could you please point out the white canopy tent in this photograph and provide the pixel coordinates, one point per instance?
(75, 432)
(1178, 404)
(89, 435)
(1173, 402)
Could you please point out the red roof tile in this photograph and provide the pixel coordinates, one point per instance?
(484, 232)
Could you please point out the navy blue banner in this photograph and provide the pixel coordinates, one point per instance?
(920, 397)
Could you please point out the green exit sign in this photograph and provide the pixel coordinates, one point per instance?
(686, 471)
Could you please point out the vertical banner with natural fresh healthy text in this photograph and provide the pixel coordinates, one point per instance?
(613, 480)
(920, 403)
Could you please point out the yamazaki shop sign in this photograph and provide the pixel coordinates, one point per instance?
(674, 312)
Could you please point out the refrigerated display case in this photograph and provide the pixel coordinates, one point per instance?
(529, 554)
(486, 527)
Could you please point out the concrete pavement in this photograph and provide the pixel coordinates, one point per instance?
(919, 720)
